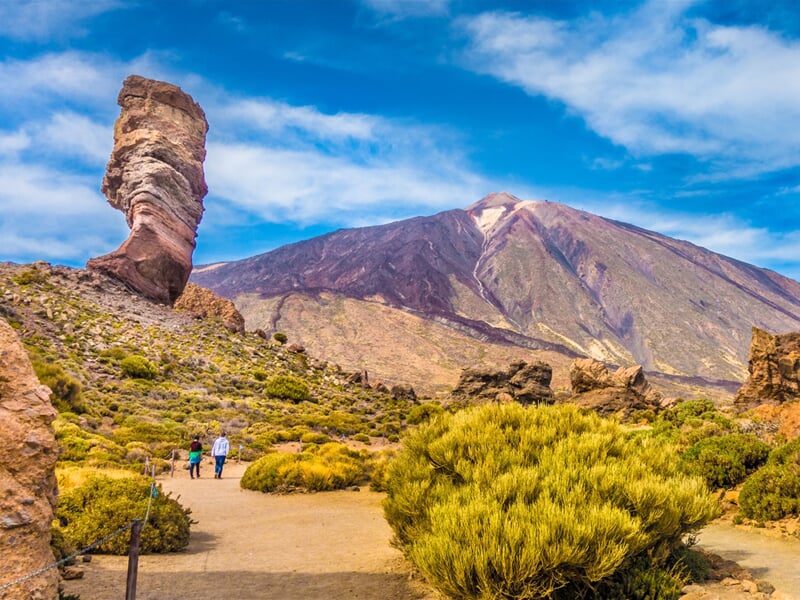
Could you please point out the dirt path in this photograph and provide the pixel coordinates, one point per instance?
(252, 546)
(776, 560)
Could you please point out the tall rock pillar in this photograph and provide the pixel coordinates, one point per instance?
(155, 176)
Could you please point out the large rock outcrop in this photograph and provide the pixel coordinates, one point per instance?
(621, 392)
(774, 367)
(527, 383)
(155, 176)
(204, 303)
(27, 475)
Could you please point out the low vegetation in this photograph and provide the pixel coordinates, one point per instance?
(101, 505)
(507, 502)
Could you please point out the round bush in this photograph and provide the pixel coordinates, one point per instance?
(423, 412)
(771, 493)
(328, 467)
(502, 501)
(288, 387)
(726, 461)
(138, 367)
(102, 505)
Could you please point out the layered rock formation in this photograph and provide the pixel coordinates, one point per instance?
(27, 476)
(621, 392)
(155, 176)
(205, 304)
(774, 367)
(521, 382)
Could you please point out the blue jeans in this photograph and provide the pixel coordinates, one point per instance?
(219, 461)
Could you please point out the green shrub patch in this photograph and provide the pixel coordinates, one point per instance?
(502, 501)
(102, 505)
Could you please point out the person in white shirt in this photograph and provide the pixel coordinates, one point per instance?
(220, 451)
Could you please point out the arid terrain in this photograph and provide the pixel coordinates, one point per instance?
(252, 546)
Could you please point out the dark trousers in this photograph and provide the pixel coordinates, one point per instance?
(194, 468)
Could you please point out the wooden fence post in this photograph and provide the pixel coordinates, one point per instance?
(133, 560)
(172, 465)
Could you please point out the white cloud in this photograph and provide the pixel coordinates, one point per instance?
(279, 118)
(12, 143)
(40, 20)
(306, 186)
(54, 215)
(656, 81)
(72, 134)
(400, 9)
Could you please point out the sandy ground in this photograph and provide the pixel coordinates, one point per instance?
(335, 545)
(773, 559)
(248, 545)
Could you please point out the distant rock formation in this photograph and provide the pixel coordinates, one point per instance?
(607, 393)
(155, 176)
(204, 303)
(522, 382)
(27, 475)
(774, 367)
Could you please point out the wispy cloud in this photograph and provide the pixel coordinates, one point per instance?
(40, 20)
(656, 81)
(400, 9)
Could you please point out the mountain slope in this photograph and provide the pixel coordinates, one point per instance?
(535, 275)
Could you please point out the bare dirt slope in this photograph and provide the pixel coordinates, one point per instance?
(252, 546)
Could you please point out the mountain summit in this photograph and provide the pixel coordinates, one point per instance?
(531, 274)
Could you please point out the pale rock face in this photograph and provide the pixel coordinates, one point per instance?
(27, 473)
(155, 176)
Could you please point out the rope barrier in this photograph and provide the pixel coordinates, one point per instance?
(66, 559)
(153, 493)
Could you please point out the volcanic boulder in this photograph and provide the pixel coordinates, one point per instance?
(204, 303)
(774, 367)
(155, 176)
(27, 475)
(606, 393)
(527, 383)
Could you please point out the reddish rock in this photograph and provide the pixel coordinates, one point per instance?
(774, 367)
(155, 176)
(606, 393)
(206, 304)
(27, 475)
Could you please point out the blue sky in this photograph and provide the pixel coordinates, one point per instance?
(678, 116)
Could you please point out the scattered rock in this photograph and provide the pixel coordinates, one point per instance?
(205, 304)
(155, 176)
(359, 378)
(27, 473)
(69, 573)
(527, 383)
(403, 391)
(774, 367)
(295, 348)
(607, 393)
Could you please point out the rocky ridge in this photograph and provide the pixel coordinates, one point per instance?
(155, 176)
(27, 473)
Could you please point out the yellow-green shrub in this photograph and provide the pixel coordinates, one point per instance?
(66, 390)
(101, 505)
(725, 461)
(288, 387)
(503, 501)
(773, 492)
(138, 367)
(320, 468)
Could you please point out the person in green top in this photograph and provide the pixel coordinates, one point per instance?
(195, 454)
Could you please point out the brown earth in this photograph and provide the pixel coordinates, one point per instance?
(252, 546)
(336, 545)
